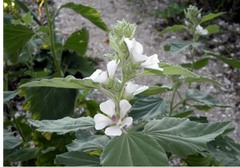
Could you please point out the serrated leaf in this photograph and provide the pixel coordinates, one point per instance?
(198, 160)
(89, 13)
(226, 150)
(133, 149)
(196, 95)
(50, 102)
(231, 62)
(87, 142)
(153, 90)
(211, 16)
(26, 9)
(78, 41)
(178, 46)
(77, 158)
(184, 112)
(200, 79)
(212, 29)
(9, 140)
(168, 69)
(173, 28)
(181, 136)
(8, 95)
(147, 108)
(27, 18)
(64, 125)
(15, 38)
(68, 82)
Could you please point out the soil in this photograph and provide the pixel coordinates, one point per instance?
(141, 13)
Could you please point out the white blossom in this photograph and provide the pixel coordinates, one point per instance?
(113, 122)
(134, 89)
(201, 31)
(99, 76)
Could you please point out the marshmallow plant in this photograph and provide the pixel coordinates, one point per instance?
(132, 127)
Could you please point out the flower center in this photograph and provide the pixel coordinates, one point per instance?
(115, 118)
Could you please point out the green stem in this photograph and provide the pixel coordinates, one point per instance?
(180, 102)
(56, 62)
(171, 103)
(31, 61)
(16, 123)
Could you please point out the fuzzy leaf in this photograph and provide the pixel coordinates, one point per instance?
(231, 62)
(15, 38)
(68, 82)
(64, 125)
(77, 158)
(78, 41)
(212, 29)
(10, 141)
(200, 79)
(133, 149)
(196, 95)
(211, 16)
(178, 46)
(183, 137)
(153, 90)
(8, 95)
(147, 108)
(173, 28)
(89, 13)
(87, 142)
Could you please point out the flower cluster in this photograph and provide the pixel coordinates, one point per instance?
(129, 55)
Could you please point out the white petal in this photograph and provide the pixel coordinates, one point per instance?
(126, 122)
(112, 67)
(151, 60)
(153, 66)
(201, 31)
(108, 107)
(113, 131)
(130, 88)
(140, 90)
(129, 44)
(101, 121)
(137, 57)
(124, 108)
(137, 46)
(99, 76)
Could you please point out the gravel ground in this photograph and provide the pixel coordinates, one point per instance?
(146, 33)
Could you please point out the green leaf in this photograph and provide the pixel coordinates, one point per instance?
(27, 18)
(183, 137)
(211, 16)
(51, 103)
(15, 38)
(89, 13)
(64, 125)
(147, 108)
(196, 95)
(184, 112)
(74, 63)
(198, 64)
(133, 149)
(153, 90)
(8, 95)
(168, 69)
(26, 9)
(200, 79)
(9, 140)
(173, 28)
(226, 150)
(212, 29)
(22, 154)
(198, 160)
(68, 82)
(87, 142)
(78, 41)
(77, 158)
(177, 46)
(231, 62)
(7, 18)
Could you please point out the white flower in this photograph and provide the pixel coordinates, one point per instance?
(136, 50)
(201, 31)
(112, 67)
(134, 89)
(112, 119)
(99, 76)
(151, 63)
